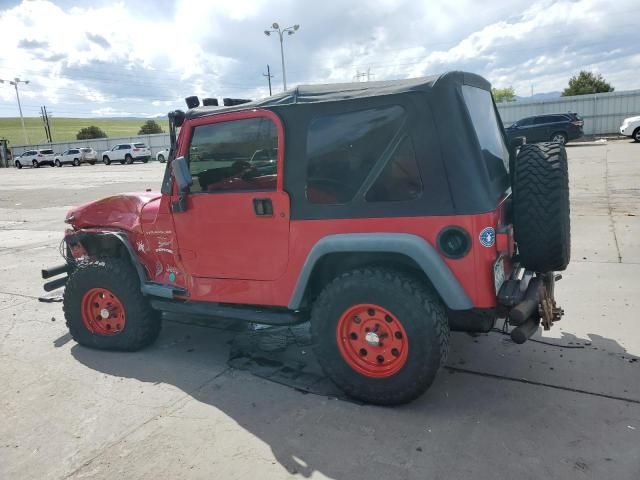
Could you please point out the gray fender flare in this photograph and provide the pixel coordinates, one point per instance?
(412, 246)
(124, 239)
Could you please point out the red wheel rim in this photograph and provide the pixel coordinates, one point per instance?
(102, 312)
(372, 340)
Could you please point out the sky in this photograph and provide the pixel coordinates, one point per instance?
(141, 58)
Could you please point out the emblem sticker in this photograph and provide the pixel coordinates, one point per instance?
(487, 237)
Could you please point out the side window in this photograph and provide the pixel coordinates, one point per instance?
(238, 155)
(125, 147)
(342, 149)
(400, 179)
(525, 122)
(115, 148)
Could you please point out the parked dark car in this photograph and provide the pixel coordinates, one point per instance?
(556, 127)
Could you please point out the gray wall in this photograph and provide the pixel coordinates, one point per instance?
(156, 142)
(602, 112)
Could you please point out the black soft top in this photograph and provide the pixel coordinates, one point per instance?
(336, 92)
(456, 175)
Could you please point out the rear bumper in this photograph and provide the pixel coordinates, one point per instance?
(142, 157)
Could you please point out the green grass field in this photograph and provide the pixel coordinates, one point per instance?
(65, 129)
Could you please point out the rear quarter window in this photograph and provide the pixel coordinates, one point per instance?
(487, 129)
(342, 148)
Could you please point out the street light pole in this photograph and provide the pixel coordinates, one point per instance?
(15, 83)
(275, 28)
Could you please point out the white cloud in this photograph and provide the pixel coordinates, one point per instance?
(145, 56)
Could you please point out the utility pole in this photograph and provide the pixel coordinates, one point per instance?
(45, 120)
(360, 76)
(275, 28)
(15, 83)
(269, 77)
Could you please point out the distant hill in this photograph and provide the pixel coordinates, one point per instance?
(541, 96)
(65, 129)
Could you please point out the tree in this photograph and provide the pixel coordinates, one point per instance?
(585, 83)
(503, 94)
(149, 127)
(88, 133)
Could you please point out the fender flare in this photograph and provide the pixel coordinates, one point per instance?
(123, 238)
(412, 246)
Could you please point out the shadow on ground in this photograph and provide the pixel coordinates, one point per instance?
(344, 440)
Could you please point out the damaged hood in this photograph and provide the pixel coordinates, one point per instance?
(119, 211)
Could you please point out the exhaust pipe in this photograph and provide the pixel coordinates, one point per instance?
(523, 333)
(527, 307)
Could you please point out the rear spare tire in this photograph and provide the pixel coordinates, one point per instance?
(541, 207)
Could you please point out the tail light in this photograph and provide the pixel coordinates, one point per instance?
(578, 123)
(136, 149)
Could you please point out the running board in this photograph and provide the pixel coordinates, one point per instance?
(263, 316)
(164, 291)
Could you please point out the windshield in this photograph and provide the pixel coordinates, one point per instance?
(485, 123)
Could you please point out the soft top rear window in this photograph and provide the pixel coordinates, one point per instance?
(139, 145)
(486, 126)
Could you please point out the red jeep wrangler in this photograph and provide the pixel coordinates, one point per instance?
(387, 213)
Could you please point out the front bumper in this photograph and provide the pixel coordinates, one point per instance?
(626, 130)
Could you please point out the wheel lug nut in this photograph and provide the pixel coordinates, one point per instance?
(395, 352)
(353, 335)
(356, 319)
(363, 352)
(397, 335)
(388, 319)
(380, 358)
(371, 312)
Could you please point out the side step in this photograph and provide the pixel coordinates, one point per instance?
(244, 314)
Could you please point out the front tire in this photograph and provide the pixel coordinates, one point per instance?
(35, 164)
(161, 158)
(106, 160)
(636, 134)
(380, 335)
(76, 162)
(105, 309)
(18, 165)
(58, 163)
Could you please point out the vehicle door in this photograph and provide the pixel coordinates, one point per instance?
(64, 156)
(236, 224)
(73, 154)
(522, 128)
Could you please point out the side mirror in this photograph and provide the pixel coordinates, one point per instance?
(182, 174)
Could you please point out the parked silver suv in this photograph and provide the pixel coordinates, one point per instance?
(35, 158)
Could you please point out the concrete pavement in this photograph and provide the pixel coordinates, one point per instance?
(178, 410)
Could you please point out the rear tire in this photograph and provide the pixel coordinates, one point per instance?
(35, 164)
(636, 134)
(106, 160)
(541, 207)
(128, 159)
(559, 137)
(161, 158)
(76, 162)
(58, 163)
(140, 324)
(409, 319)
(18, 165)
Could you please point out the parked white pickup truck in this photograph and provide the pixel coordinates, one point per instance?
(631, 128)
(127, 153)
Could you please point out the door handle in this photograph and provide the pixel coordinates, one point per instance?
(263, 207)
